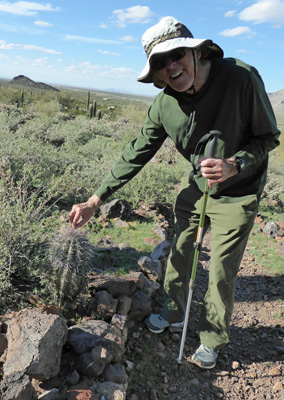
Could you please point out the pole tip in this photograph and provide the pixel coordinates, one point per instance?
(179, 361)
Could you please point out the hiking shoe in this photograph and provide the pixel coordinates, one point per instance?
(205, 357)
(157, 324)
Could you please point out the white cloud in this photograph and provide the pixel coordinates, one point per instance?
(230, 13)
(85, 39)
(108, 52)
(128, 38)
(25, 8)
(132, 15)
(12, 46)
(9, 46)
(240, 30)
(38, 48)
(41, 62)
(101, 71)
(264, 11)
(43, 24)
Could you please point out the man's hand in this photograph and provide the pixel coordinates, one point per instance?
(217, 170)
(81, 213)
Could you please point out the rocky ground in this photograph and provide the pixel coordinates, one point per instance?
(251, 367)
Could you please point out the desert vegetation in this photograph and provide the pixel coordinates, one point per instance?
(54, 153)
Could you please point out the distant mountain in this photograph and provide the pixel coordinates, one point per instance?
(277, 101)
(22, 80)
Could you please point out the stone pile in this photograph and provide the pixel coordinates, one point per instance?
(46, 357)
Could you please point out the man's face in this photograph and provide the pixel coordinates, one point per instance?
(176, 70)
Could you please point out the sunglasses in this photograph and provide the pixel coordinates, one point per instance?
(161, 62)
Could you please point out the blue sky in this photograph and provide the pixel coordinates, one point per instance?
(97, 45)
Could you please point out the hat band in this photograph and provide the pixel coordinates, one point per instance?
(182, 31)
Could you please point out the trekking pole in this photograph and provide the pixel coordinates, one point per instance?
(212, 146)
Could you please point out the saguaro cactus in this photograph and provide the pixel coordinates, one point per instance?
(94, 108)
(91, 111)
(99, 114)
(22, 97)
(88, 99)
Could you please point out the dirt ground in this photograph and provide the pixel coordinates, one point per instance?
(251, 367)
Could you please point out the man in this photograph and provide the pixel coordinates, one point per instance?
(202, 92)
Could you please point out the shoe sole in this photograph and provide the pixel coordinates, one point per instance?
(200, 365)
(172, 328)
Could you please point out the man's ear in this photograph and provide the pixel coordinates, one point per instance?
(158, 82)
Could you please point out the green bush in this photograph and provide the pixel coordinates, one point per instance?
(25, 226)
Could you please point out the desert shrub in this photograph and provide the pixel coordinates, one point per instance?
(25, 226)
(48, 108)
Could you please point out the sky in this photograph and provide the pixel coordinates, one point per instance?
(97, 45)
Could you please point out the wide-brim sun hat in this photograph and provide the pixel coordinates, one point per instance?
(170, 34)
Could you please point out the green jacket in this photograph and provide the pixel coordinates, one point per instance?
(233, 101)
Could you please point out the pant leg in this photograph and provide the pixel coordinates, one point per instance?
(231, 224)
(180, 261)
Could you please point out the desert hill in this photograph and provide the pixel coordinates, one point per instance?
(277, 100)
(22, 80)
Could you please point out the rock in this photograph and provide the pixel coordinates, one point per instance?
(116, 209)
(115, 373)
(111, 390)
(16, 386)
(141, 278)
(274, 372)
(35, 342)
(235, 365)
(86, 335)
(129, 365)
(3, 343)
(124, 305)
(160, 232)
(74, 378)
(120, 223)
(151, 288)
(81, 392)
(119, 322)
(141, 306)
(50, 395)
(152, 268)
(92, 364)
(277, 387)
(273, 229)
(103, 306)
(161, 253)
(115, 285)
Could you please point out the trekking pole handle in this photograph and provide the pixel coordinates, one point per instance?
(212, 145)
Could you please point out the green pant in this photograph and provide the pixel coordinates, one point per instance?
(231, 221)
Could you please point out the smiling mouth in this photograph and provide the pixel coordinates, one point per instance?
(177, 74)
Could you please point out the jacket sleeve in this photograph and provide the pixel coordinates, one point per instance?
(135, 155)
(263, 122)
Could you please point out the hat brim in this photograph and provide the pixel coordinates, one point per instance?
(171, 44)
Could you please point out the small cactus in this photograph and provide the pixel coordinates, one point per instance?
(99, 114)
(71, 256)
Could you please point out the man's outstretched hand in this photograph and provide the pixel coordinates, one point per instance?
(81, 213)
